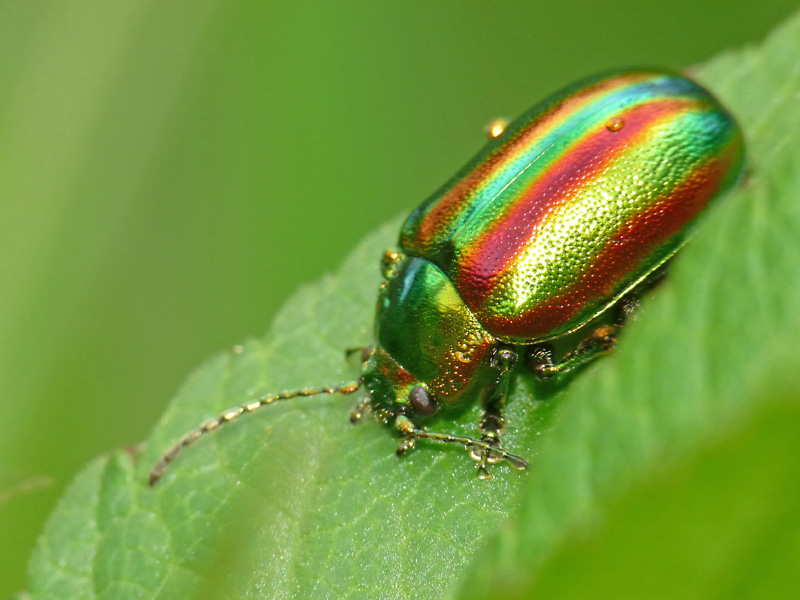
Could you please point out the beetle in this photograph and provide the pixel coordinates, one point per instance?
(556, 225)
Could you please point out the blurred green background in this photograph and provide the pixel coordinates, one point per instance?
(171, 171)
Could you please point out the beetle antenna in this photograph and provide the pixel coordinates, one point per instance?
(157, 472)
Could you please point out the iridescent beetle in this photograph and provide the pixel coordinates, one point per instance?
(560, 219)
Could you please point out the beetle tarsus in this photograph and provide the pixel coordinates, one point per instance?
(600, 341)
(357, 414)
(491, 425)
(485, 457)
(491, 449)
(405, 445)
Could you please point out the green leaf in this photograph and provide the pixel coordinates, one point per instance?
(720, 523)
(295, 502)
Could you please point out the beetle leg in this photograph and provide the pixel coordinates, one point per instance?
(492, 423)
(405, 444)
(358, 411)
(351, 352)
(491, 426)
(600, 341)
(411, 433)
(365, 351)
(624, 309)
(408, 431)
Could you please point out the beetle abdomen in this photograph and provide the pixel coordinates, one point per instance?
(577, 201)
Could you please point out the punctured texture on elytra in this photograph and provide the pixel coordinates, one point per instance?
(577, 201)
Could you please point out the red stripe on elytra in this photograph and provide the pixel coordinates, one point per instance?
(450, 204)
(510, 234)
(631, 245)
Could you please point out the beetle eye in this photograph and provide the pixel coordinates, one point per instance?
(422, 401)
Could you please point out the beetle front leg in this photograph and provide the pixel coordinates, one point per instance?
(411, 433)
(358, 411)
(491, 425)
(492, 422)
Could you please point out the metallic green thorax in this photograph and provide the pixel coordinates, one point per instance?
(422, 318)
(570, 208)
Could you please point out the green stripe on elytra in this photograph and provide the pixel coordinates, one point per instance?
(478, 202)
(604, 211)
